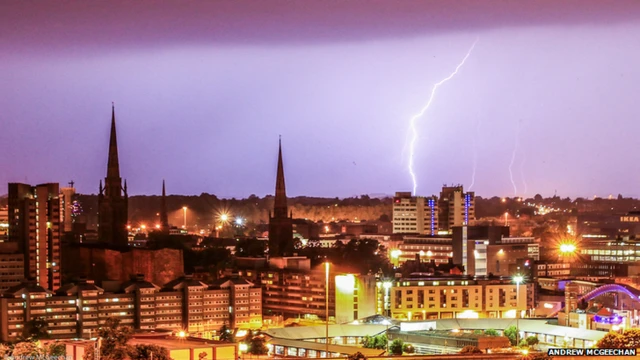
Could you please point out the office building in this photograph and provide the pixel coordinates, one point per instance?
(34, 223)
(113, 198)
(293, 290)
(458, 297)
(608, 226)
(280, 222)
(77, 310)
(437, 249)
(585, 270)
(485, 250)
(609, 251)
(414, 214)
(455, 207)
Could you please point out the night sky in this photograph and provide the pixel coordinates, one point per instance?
(202, 89)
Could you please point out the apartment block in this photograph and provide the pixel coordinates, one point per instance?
(458, 298)
(11, 265)
(78, 310)
(34, 223)
(455, 207)
(414, 214)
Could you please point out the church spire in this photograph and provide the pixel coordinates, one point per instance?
(164, 218)
(280, 205)
(113, 165)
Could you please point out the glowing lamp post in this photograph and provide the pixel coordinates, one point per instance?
(184, 216)
(518, 279)
(326, 285)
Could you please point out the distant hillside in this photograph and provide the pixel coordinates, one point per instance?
(205, 208)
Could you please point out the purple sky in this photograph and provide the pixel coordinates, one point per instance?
(204, 88)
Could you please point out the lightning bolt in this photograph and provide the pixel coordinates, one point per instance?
(413, 120)
(513, 159)
(475, 155)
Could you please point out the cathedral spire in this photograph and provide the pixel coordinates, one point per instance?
(113, 165)
(112, 205)
(164, 218)
(280, 205)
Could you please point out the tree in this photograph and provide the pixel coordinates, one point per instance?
(36, 329)
(470, 349)
(26, 349)
(144, 352)
(408, 349)
(491, 332)
(375, 342)
(225, 333)
(381, 342)
(511, 332)
(114, 339)
(532, 341)
(257, 346)
(5, 351)
(630, 339)
(611, 340)
(396, 347)
(357, 356)
(56, 349)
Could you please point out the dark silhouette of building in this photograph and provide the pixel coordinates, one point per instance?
(281, 223)
(112, 203)
(455, 207)
(34, 223)
(164, 218)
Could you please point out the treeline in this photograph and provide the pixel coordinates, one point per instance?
(206, 208)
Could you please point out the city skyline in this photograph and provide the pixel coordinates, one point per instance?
(202, 105)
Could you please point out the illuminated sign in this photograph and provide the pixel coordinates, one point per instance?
(614, 319)
(630, 219)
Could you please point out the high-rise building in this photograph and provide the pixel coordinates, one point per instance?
(415, 214)
(113, 198)
(4, 224)
(455, 207)
(11, 265)
(34, 223)
(67, 195)
(281, 223)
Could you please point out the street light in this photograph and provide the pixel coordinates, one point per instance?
(326, 296)
(518, 279)
(567, 248)
(184, 216)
